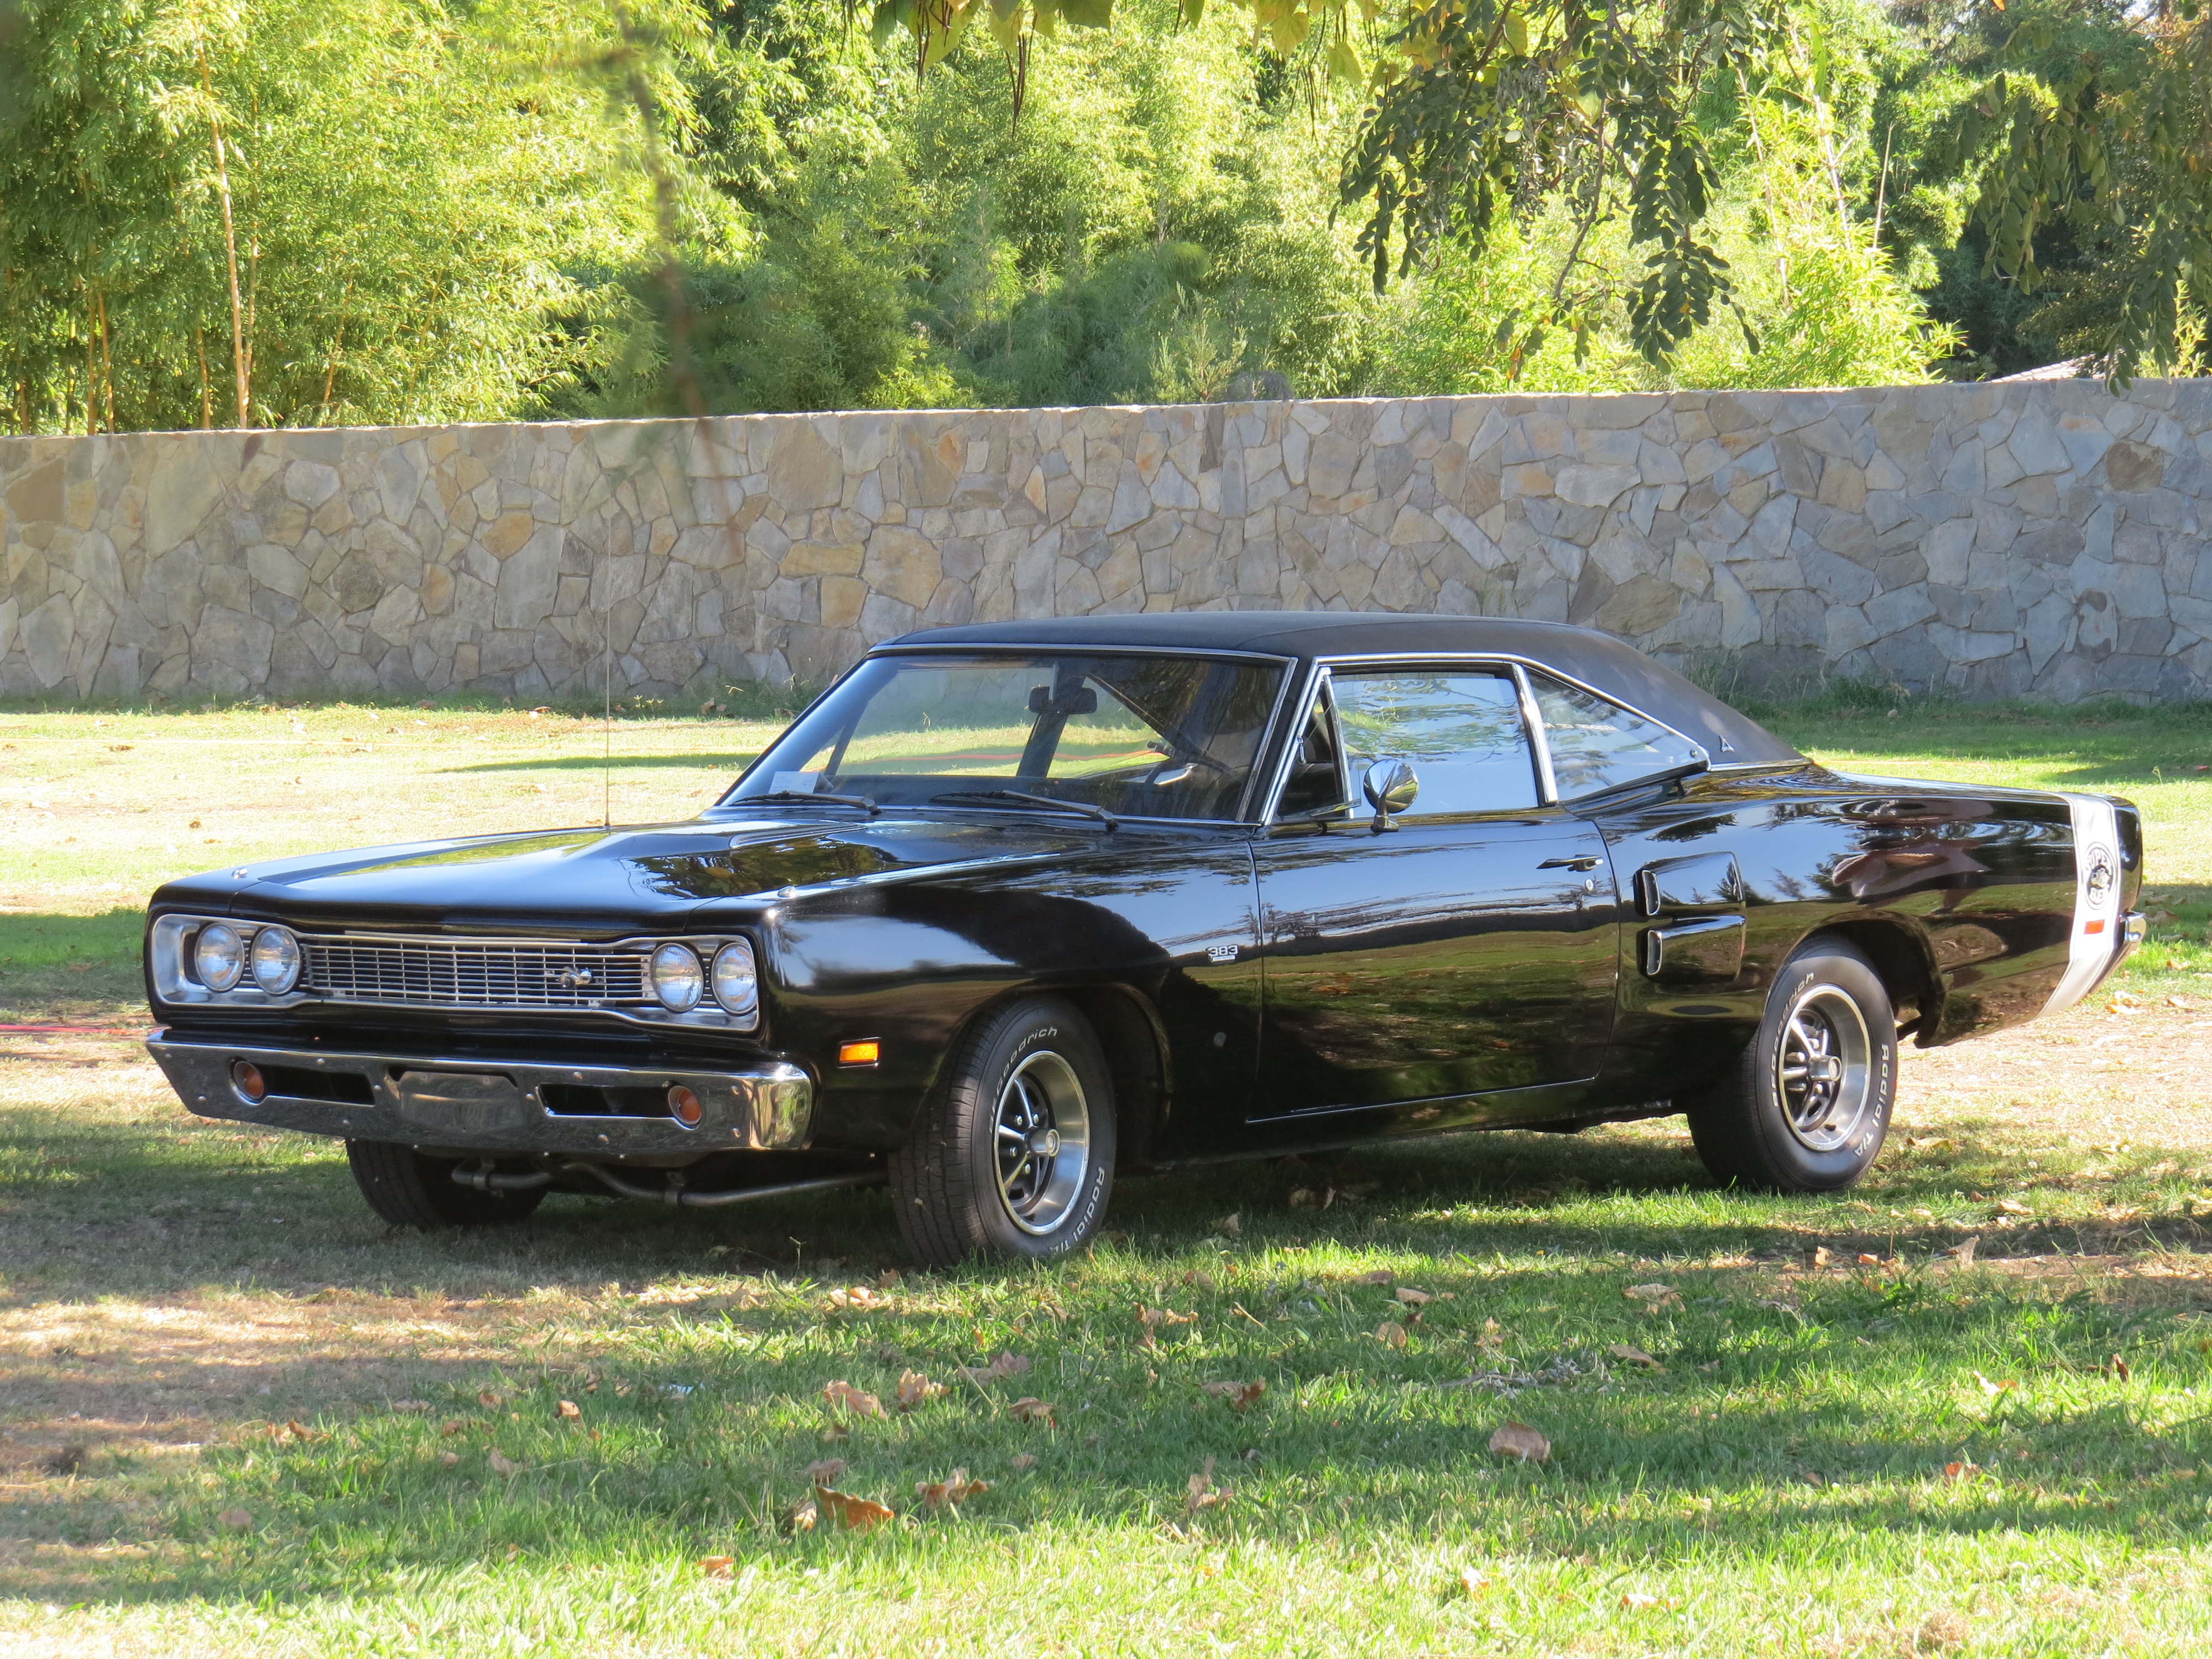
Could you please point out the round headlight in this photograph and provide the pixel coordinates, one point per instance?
(678, 979)
(219, 958)
(276, 958)
(737, 985)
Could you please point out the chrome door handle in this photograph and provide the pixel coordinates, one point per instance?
(1569, 863)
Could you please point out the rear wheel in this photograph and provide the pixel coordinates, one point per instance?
(410, 1189)
(1807, 1107)
(1014, 1153)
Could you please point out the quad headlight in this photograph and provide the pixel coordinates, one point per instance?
(219, 955)
(276, 960)
(678, 979)
(737, 981)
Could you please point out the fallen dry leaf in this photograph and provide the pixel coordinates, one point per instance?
(1654, 1297)
(1021, 1460)
(1412, 1297)
(1993, 1390)
(1232, 1225)
(717, 1566)
(2118, 1367)
(1519, 1440)
(568, 1408)
(501, 1465)
(410, 1405)
(1302, 1197)
(1379, 1276)
(852, 1513)
(1031, 1409)
(1961, 1471)
(295, 1430)
(1241, 1396)
(956, 1489)
(1150, 1317)
(1200, 1492)
(824, 1471)
(1637, 1601)
(2013, 1207)
(842, 1395)
(1634, 1355)
(488, 1398)
(1473, 1581)
(1007, 1364)
(916, 1389)
(1200, 1277)
(454, 1427)
(1868, 1260)
(1392, 1332)
(854, 1296)
(451, 1460)
(236, 1520)
(1822, 1256)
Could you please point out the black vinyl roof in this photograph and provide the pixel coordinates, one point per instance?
(1598, 660)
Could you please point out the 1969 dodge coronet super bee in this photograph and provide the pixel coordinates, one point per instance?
(1015, 905)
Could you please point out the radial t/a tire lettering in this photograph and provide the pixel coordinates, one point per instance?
(408, 1188)
(1806, 1106)
(1013, 1153)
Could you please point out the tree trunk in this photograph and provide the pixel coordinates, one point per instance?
(229, 247)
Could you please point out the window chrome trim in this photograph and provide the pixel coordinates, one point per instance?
(1523, 664)
(1548, 785)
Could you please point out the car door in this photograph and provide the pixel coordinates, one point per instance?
(1469, 946)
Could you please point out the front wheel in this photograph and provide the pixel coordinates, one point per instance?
(410, 1189)
(1013, 1156)
(1805, 1108)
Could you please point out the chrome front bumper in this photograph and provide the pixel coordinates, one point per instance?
(492, 1105)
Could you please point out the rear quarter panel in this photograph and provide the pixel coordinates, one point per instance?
(1964, 898)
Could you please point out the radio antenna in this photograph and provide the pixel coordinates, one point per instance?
(607, 700)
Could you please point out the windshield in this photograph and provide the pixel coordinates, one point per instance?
(1144, 736)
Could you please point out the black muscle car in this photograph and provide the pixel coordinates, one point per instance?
(1013, 906)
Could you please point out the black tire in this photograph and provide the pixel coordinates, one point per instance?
(1035, 1057)
(408, 1188)
(1760, 1127)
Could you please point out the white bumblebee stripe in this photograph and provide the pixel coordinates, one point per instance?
(2096, 935)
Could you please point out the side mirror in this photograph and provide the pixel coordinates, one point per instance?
(1390, 787)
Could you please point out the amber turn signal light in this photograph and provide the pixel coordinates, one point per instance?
(684, 1106)
(246, 1077)
(865, 1052)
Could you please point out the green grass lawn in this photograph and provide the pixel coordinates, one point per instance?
(236, 1415)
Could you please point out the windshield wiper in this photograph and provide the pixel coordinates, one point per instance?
(1027, 799)
(809, 798)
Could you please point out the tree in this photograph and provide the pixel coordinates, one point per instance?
(1480, 108)
(2113, 146)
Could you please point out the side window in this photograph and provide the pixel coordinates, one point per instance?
(1463, 733)
(1596, 744)
(1316, 778)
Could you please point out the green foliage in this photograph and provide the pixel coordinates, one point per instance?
(406, 187)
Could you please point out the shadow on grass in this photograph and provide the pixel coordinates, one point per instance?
(1820, 1408)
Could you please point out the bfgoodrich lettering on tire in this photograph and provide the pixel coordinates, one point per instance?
(1805, 1108)
(1013, 1154)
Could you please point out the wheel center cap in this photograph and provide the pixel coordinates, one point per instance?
(1045, 1143)
(1824, 1068)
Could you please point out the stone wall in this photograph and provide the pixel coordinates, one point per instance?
(2042, 537)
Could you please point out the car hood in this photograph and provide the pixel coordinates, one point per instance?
(600, 882)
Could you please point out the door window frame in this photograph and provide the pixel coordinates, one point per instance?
(1319, 683)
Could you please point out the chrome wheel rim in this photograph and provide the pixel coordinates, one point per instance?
(1824, 1069)
(1041, 1147)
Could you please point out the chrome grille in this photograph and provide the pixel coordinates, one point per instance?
(457, 974)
